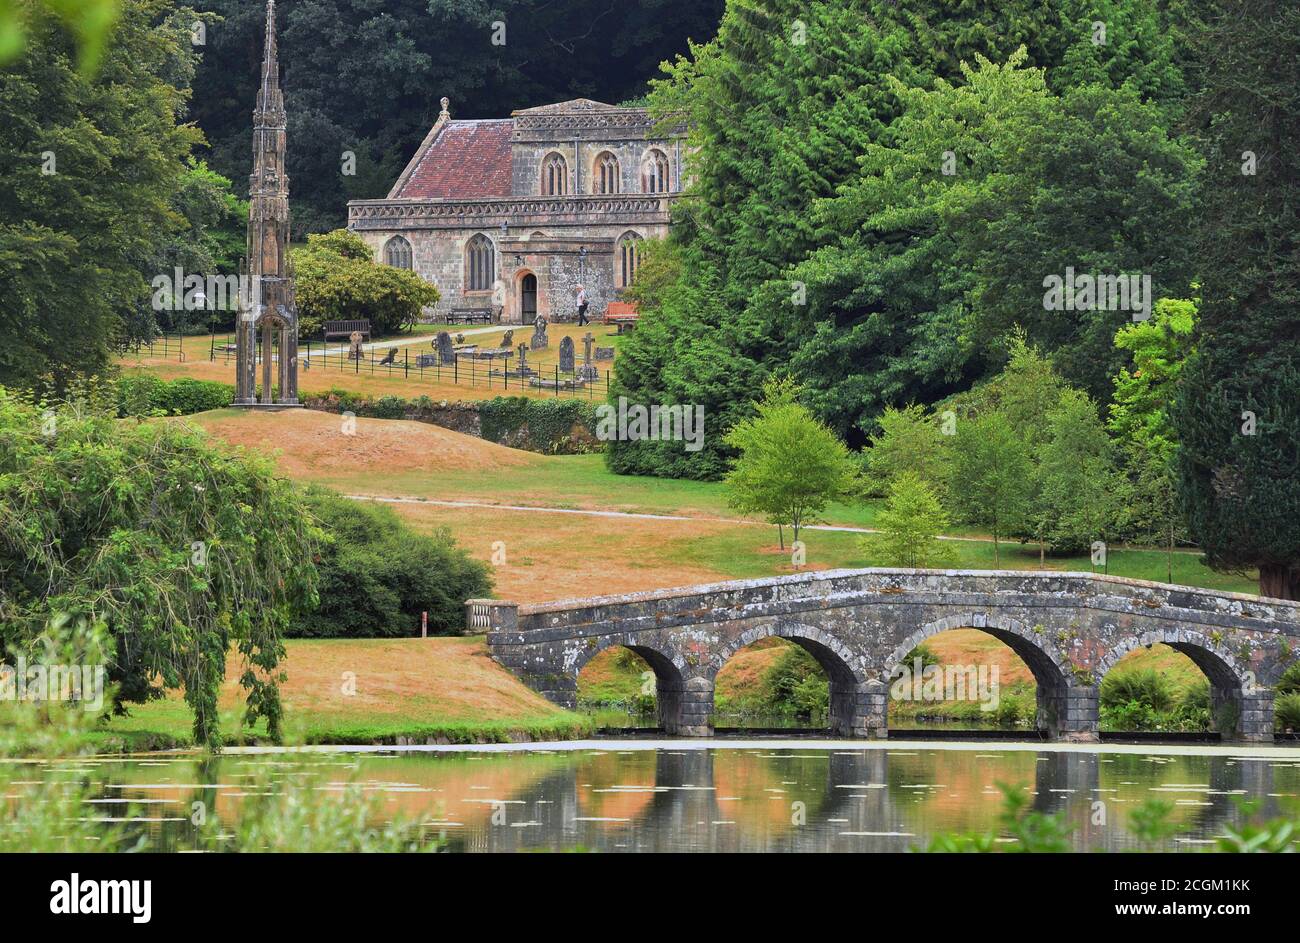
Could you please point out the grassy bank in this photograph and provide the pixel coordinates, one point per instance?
(439, 690)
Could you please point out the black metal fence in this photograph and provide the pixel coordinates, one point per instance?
(425, 366)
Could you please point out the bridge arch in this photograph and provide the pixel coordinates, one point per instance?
(668, 665)
(844, 669)
(1051, 670)
(1233, 688)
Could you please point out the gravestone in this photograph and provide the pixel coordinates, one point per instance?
(446, 354)
(588, 372)
(566, 355)
(604, 353)
(460, 339)
(354, 345)
(507, 339)
(539, 339)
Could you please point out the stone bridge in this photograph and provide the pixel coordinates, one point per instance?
(860, 625)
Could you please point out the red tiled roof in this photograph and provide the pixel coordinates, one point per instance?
(468, 160)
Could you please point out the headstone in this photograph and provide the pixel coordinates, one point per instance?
(426, 360)
(588, 372)
(522, 367)
(446, 354)
(460, 339)
(566, 355)
(507, 339)
(604, 353)
(354, 345)
(539, 339)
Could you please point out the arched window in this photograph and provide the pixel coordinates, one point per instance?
(654, 172)
(626, 259)
(555, 176)
(605, 173)
(480, 264)
(397, 253)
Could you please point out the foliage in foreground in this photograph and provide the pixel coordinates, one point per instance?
(377, 574)
(1022, 830)
(179, 547)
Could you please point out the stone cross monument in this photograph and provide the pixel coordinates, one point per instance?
(267, 305)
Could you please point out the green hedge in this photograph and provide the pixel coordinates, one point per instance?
(546, 424)
(146, 395)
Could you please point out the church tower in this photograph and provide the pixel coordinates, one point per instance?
(267, 310)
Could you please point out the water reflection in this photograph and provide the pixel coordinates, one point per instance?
(784, 798)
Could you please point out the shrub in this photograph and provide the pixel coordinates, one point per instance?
(337, 279)
(1289, 683)
(542, 425)
(1286, 712)
(377, 575)
(146, 395)
(1146, 687)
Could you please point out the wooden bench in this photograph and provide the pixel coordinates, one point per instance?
(469, 315)
(622, 314)
(346, 328)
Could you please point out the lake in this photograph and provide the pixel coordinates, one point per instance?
(741, 795)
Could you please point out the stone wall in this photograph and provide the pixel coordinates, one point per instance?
(1069, 628)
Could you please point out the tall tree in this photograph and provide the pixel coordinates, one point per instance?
(790, 466)
(89, 165)
(1238, 416)
(992, 476)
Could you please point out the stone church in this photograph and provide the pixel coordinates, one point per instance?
(511, 215)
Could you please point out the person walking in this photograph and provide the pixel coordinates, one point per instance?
(582, 306)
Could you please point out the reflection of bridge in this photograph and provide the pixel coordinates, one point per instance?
(1069, 628)
(859, 800)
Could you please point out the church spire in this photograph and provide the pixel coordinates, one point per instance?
(270, 310)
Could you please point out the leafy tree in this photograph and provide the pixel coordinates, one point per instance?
(336, 278)
(1140, 419)
(1238, 413)
(790, 465)
(1080, 491)
(180, 548)
(909, 441)
(377, 575)
(910, 525)
(992, 476)
(89, 169)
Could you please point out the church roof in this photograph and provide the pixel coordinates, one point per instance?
(467, 160)
(572, 106)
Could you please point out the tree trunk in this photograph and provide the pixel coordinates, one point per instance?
(780, 534)
(1169, 557)
(997, 557)
(1279, 581)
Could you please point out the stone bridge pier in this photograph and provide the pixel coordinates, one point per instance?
(862, 627)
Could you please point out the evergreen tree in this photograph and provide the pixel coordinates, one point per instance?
(1238, 416)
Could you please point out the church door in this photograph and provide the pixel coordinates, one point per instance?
(528, 298)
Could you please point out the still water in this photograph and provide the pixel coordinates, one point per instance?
(779, 795)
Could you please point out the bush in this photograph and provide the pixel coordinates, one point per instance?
(1289, 683)
(377, 575)
(336, 278)
(1146, 687)
(1286, 712)
(542, 425)
(143, 394)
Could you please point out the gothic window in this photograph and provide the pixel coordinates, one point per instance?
(606, 173)
(397, 253)
(654, 172)
(626, 259)
(555, 176)
(480, 264)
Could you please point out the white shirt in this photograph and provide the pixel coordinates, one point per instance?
(582, 296)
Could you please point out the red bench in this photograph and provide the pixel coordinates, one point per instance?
(622, 314)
